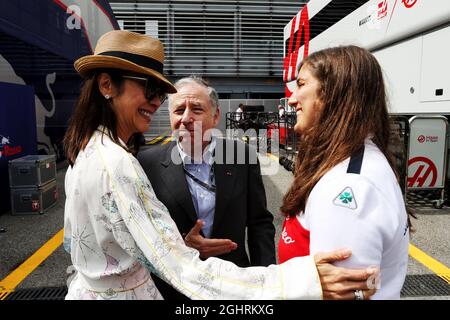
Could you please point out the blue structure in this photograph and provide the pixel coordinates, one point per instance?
(39, 41)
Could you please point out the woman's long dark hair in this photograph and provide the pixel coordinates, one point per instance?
(91, 111)
(354, 107)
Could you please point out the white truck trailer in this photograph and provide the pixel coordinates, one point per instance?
(411, 40)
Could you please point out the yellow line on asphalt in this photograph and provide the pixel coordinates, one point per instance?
(11, 281)
(167, 140)
(153, 141)
(273, 156)
(437, 267)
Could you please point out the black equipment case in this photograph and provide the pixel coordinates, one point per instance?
(32, 171)
(33, 200)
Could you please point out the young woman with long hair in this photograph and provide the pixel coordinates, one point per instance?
(345, 191)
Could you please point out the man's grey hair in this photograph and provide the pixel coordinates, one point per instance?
(212, 93)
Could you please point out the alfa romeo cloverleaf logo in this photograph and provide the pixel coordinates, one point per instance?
(346, 197)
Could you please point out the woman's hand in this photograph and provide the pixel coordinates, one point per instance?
(341, 283)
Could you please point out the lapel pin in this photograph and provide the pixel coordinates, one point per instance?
(229, 173)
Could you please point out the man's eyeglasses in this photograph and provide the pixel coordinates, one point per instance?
(153, 89)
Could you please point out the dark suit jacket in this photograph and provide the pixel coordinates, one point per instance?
(240, 202)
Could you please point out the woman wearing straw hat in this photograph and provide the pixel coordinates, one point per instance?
(117, 231)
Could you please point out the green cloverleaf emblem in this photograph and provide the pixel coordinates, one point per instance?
(346, 197)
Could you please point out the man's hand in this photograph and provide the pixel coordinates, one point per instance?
(340, 283)
(207, 247)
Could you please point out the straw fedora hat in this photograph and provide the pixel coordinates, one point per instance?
(129, 51)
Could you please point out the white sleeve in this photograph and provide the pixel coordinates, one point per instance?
(67, 239)
(348, 212)
(161, 248)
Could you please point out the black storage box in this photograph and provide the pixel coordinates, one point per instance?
(33, 200)
(32, 171)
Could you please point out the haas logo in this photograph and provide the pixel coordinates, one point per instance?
(382, 9)
(421, 138)
(424, 172)
(293, 53)
(409, 3)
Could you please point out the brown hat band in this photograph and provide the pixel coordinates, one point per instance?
(142, 61)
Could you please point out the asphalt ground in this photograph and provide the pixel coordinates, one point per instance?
(26, 264)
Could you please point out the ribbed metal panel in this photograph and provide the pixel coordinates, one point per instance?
(214, 38)
(23, 55)
(160, 125)
(423, 285)
(42, 293)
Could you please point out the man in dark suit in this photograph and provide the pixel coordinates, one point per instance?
(212, 187)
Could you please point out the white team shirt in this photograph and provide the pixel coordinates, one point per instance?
(363, 212)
